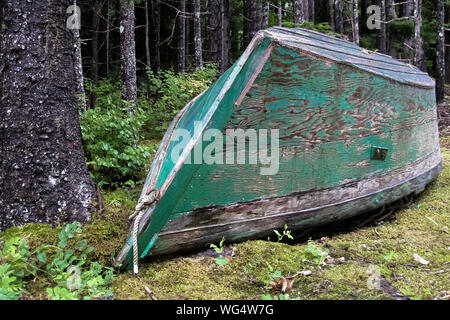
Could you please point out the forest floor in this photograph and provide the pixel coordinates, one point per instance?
(349, 270)
(378, 261)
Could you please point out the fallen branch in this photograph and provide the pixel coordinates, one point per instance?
(150, 293)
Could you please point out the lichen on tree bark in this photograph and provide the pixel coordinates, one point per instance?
(43, 176)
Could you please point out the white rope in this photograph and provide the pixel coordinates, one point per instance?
(143, 203)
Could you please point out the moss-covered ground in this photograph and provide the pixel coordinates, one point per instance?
(350, 271)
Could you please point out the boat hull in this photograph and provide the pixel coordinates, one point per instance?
(350, 131)
(258, 218)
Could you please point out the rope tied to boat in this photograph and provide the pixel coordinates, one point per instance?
(147, 200)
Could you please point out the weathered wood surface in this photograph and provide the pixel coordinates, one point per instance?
(258, 227)
(332, 103)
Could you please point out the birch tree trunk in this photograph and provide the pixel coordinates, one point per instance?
(197, 36)
(128, 53)
(355, 22)
(440, 52)
(43, 176)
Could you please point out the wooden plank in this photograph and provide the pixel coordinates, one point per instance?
(304, 200)
(251, 228)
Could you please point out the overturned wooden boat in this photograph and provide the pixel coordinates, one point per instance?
(356, 130)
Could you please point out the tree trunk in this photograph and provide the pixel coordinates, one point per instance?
(253, 16)
(331, 13)
(408, 44)
(355, 22)
(312, 11)
(94, 63)
(301, 11)
(392, 40)
(95, 24)
(43, 176)
(182, 37)
(419, 54)
(107, 40)
(265, 14)
(147, 37)
(362, 26)
(390, 9)
(382, 33)
(128, 53)
(214, 31)
(224, 38)
(339, 18)
(447, 48)
(78, 61)
(156, 16)
(198, 51)
(280, 14)
(440, 52)
(408, 8)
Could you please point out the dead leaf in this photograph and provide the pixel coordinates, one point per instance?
(285, 284)
(420, 259)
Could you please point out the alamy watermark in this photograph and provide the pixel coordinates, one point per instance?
(73, 22)
(237, 146)
(374, 18)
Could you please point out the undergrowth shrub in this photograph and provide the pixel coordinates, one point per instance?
(113, 138)
(66, 268)
(170, 93)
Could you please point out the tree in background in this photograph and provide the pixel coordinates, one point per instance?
(128, 52)
(182, 36)
(301, 11)
(198, 52)
(43, 174)
(440, 52)
(419, 54)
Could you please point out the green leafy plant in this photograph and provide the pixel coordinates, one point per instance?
(219, 249)
(272, 274)
(112, 140)
(14, 256)
(281, 296)
(315, 253)
(286, 233)
(171, 92)
(65, 265)
(69, 267)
